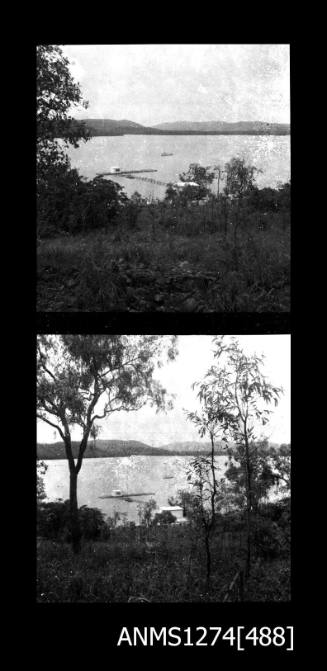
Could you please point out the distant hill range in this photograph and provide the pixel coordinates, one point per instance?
(121, 448)
(126, 127)
(226, 127)
(118, 127)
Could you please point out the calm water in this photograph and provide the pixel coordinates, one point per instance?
(99, 477)
(134, 152)
(134, 474)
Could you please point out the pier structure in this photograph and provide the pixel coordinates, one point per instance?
(124, 172)
(130, 175)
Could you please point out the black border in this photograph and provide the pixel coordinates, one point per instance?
(156, 322)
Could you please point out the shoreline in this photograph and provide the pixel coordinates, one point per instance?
(134, 454)
(94, 133)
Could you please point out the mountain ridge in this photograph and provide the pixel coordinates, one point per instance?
(219, 126)
(126, 127)
(121, 448)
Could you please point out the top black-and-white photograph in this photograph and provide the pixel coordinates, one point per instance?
(163, 178)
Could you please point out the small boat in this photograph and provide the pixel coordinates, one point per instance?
(165, 153)
(168, 475)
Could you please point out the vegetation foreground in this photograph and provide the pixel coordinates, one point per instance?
(214, 256)
(164, 564)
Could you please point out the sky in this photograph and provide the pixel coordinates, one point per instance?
(194, 358)
(151, 84)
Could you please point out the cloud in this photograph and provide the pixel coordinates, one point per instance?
(233, 82)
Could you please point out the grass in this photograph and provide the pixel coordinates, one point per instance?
(171, 259)
(165, 564)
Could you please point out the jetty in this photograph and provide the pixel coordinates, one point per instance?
(130, 174)
(148, 179)
(124, 496)
(123, 172)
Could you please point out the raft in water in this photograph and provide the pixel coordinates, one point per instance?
(124, 496)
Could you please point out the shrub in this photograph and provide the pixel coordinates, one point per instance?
(268, 199)
(41, 468)
(271, 538)
(164, 518)
(67, 203)
(53, 521)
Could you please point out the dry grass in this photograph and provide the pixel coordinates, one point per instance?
(249, 263)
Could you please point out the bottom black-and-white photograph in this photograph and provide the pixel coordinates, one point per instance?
(163, 468)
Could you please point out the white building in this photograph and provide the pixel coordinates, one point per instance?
(182, 185)
(176, 511)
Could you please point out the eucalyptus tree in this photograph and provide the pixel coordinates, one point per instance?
(41, 469)
(280, 468)
(95, 430)
(82, 379)
(56, 95)
(234, 396)
(240, 177)
(209, 492)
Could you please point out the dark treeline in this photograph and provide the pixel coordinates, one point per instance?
(111, 449)
(105, 127)
(70, 204)
(157, 131)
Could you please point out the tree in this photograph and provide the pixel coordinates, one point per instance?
(56, 94)
(84, 378)
(145, 511)
(41, 469)
(95, 430)
(209, 492)
(280, 466)
(235, 394)
(65, 201)
(171, 193)
(164, 518)
(185, 499)
(71, 204)
(196, 182)
(262, 474)
(240, 178)
(201, 176)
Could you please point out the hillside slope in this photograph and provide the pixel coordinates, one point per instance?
(126, 448)
(119, 448)
(126, 127)
(221, 126)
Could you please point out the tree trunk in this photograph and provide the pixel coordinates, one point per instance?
(248, 546)
(74, 519)
(248, 505)
(208, 580)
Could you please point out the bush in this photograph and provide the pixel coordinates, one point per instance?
(164, 518)
(67, 203)
(269, 200)
(272, 537)
(53, 521)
